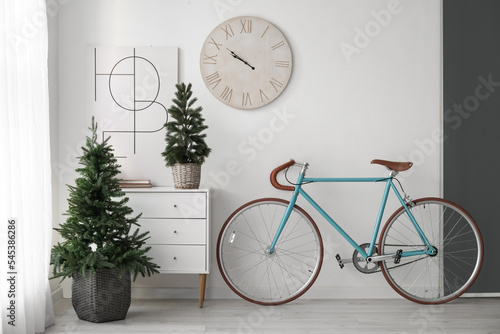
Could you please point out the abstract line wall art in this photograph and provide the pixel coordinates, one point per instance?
(128, 91)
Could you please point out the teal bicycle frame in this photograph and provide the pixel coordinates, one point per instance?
(429, 249)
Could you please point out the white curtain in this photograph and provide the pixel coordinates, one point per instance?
(25, 170)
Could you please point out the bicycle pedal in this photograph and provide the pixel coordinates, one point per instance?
(397, 259)
(339, 260)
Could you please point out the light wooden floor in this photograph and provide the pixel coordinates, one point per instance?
(465, 315)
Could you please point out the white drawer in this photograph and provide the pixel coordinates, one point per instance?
(168, 205)
(182, 258)
(174, 231)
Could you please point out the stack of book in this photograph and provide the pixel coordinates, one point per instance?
(135, 184)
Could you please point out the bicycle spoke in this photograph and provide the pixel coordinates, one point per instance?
(251, 229)
(282, 267)
(445, 275)
(263, 219)
(258, 275)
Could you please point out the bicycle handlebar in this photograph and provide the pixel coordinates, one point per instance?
(275, 172)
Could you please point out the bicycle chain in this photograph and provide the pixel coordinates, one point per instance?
(401, 265)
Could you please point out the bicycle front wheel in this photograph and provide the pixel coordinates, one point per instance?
(438, 278)
(248, 268)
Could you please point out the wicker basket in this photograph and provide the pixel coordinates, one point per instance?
(102, 297)
(186, 176)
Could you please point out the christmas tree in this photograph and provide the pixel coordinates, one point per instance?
(97, 232)
(185, 140)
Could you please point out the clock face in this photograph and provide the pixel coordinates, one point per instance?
(246, 62)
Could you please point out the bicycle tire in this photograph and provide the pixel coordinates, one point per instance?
(435, 279)
(257, 276)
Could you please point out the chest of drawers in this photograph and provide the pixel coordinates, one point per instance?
(179, 224)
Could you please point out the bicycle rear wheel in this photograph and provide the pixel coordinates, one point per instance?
(434, 279)
(262, 278)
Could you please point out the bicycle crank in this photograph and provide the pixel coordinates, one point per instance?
(364, 266)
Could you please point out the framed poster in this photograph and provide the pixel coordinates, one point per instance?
(129, 90)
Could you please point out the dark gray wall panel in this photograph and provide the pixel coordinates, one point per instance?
(471, 47)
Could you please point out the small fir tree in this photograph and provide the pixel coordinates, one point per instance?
(97, 231)
(184, 137)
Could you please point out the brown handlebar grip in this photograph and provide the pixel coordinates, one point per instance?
(275, 172)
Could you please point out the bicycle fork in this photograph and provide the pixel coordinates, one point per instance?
(289, 209)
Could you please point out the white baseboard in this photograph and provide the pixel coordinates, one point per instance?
(165, 293)
(181, 293)
(57, 295)
(226, 293)
(482, 295)
(313, 293)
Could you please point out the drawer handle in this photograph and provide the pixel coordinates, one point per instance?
(175, 257)
(175, 231)
(175, 205)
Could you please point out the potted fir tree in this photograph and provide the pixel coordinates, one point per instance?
(101, 249)
(186, 148)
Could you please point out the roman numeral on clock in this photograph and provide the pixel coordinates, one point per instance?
(246, 99)
(246, 26)
(276, 84)
(264, 32)
(278, 45)
(227, 93)
(213, 79)
(228, 30)
(282, 63)
(209, 60)
(262, 96)
(214, 43)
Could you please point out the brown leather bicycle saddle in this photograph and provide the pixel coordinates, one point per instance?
(392, 165)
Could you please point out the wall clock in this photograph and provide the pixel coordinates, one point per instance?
(246, 62)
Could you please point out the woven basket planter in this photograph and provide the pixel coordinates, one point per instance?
(186, 176)
(101, 297)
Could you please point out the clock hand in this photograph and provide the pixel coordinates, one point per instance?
(235, 55)
(238, 57)
(244, 62)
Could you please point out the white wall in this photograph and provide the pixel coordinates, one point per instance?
(338, 112)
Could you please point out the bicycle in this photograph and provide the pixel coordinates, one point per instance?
(270, 251)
